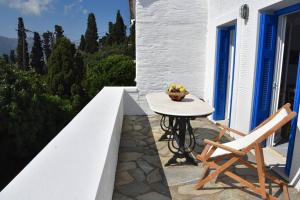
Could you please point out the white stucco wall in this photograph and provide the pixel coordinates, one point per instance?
(222, 12)
(80, 162)
(176, 42)
(170, 45)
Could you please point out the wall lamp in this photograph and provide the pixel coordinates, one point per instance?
(244, 11)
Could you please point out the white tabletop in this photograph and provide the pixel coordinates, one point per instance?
(190, 106)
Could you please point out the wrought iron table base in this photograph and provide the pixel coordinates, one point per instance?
(167, 128)
(177, 144)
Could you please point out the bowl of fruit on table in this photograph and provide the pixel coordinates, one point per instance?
(177, 92)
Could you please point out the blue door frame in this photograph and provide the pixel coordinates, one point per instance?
(264, 75)
(221, 75)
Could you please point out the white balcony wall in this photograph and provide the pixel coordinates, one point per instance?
(170, 45)
(80, 162)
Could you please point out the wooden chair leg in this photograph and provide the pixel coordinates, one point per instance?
(261, 170)
(285, 192)
(219, 170)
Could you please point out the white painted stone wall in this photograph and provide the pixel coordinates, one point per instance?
(176, 42)
(80, 162)
(170, 45)
(222, 12)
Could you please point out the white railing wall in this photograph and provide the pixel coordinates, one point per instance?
(80, 162)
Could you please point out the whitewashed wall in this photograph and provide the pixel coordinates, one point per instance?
(220, 13)
(225, 11)
(170, 45)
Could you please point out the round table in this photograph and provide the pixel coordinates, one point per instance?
(179, 114)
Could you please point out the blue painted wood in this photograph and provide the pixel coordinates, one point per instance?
(220, 89)
(293, 124)
(264, 69)
(287, 10)
(233, 70)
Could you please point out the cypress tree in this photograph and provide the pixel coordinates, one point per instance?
(12, 57)
(91, 35)
(111, 34)
(47, 44)
(119, 29)
(64, 67)
(59, 32)
(82, 43)
(37, 58)
(22, 48)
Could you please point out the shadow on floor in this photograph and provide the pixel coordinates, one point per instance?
(141, 174)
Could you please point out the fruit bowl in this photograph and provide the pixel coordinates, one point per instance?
(177, 92)
(177, 96)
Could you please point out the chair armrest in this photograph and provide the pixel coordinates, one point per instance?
(216, 144)
(231, 130)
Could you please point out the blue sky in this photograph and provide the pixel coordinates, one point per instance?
(42, 15)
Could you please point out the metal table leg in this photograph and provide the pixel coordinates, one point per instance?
(166, 127)
(178, 145)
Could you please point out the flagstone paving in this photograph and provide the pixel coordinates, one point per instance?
(141, 174)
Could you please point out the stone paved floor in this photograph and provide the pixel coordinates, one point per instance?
(141, 174)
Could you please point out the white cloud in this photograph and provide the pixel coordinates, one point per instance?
(75, 7)
(68, 8)
(34, 7)
(85, 11)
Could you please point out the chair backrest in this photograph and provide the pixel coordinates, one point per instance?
(269, 126)
(262, 132)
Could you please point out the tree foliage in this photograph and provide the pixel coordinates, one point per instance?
(12, 57)
(119, 29)
(82, 43)
(115, 70)
(22, 48)
(59, 32)
(29, 117)
(37, 56)
(5, 58)
(65, 68)
(47, 44)
(91, 35)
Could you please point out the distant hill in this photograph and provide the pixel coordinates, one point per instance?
(7, 44)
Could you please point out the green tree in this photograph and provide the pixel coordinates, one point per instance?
(12, 57)
(22, 48)
(47, 44)
(64, 67)
(59, 32)
(115, 70)
(91, 35)
(119, 29)
(29, 117)
(37, 56)
(82, 43)
(5, 57)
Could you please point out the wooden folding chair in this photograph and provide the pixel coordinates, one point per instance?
(214, 152)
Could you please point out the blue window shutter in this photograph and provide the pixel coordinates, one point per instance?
(221, 74)
(264, 69)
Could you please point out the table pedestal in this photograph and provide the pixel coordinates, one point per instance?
(182, 142)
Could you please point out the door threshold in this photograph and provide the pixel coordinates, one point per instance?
(224, 122)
